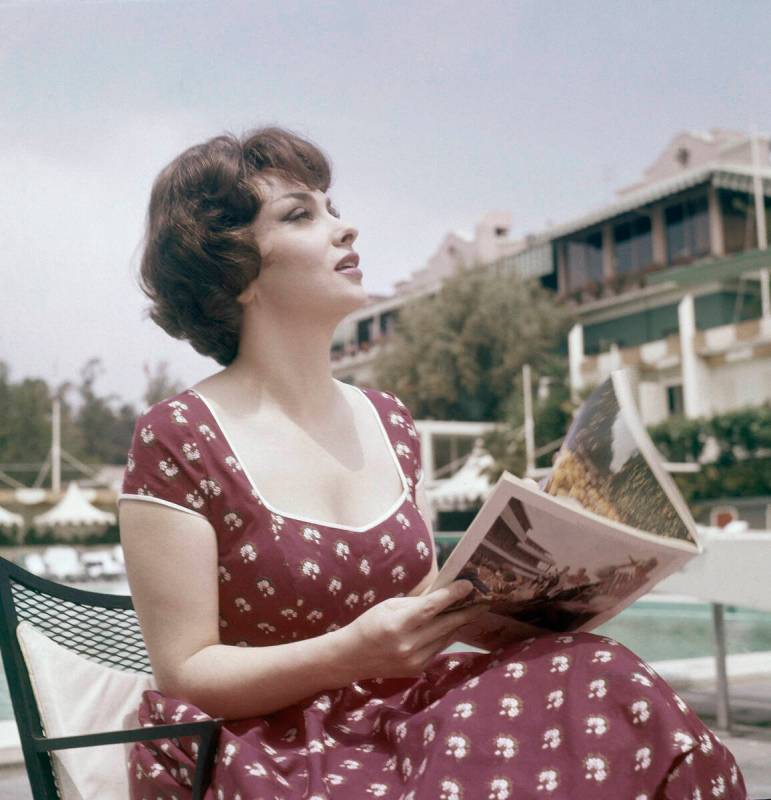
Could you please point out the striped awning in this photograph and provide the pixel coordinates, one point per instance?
(735, 177)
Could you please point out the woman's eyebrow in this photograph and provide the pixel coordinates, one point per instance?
(298, 196)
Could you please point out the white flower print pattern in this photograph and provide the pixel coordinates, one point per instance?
(194, 499)
(210, 487)
(602, 657)
(190, 451)
(248, 553)
(451, 790)
(641, 711)
(596, 768)
(146, 434)
(510, 706)
(548, 780)
(515, 670)
(457, 745)
(168, 468)
(311, 535)
(682, 741)
(643, 758)
(233, 520)
(310, 568)
(560, 663)
(428, 733)
(555, 698)
(398, 573)
(342, 550)
(276, 525)
(500, 789)
(387, 542)
(598, 688)
(206, 432)
(463, 710)
(596, 725)
(552, 739)
(506, 746)
(231, 462)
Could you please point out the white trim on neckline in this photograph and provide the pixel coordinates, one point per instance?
(353, 529)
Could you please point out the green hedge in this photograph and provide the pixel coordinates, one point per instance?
(741, 441)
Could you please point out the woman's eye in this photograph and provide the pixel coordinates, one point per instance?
(304, 213)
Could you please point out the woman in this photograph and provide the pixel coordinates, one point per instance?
(278, 548)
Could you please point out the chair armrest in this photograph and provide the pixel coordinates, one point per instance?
(207, 729)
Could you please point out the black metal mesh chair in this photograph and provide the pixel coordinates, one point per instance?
(97, 626)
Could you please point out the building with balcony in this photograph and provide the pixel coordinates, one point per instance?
(670, 280)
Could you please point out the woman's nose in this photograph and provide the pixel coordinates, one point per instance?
(346, 234)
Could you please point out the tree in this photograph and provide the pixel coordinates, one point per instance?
(106, 432)
(457, 355)
(160, 384)
(25, 428)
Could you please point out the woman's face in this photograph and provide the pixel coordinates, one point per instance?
(301, 239)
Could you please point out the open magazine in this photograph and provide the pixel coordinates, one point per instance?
(605, 526)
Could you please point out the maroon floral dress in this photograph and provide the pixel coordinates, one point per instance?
(559, 716)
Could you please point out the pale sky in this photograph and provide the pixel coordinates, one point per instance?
(433, 113)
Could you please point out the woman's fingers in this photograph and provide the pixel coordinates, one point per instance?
(435, 602)
(448, 623)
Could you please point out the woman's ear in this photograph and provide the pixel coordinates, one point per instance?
(247, 295)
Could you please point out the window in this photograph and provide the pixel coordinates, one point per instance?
(364, 331)
(448, 449)
(387, 322)
(687, 226)
(633, 245)
(584, 260)
(675, 399)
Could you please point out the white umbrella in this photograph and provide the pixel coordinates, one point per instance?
(467, 487)
(9, 519)
(74, 511)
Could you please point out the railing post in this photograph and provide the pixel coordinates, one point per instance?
(723, 708)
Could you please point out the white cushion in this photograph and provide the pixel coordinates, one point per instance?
(77, 696)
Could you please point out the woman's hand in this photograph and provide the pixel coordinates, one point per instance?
(398, 637)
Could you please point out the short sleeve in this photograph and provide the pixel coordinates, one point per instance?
(164, 463)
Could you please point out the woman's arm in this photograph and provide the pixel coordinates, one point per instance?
(171, 564)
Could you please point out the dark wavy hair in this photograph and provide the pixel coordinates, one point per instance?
(199, 250)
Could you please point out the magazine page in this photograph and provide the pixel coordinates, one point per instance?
(545, 565)
(602, 466)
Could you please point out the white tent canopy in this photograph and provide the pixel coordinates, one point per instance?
(74, 511)
(9, 519)
(467, 487)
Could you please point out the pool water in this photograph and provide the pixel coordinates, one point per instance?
(654, 630)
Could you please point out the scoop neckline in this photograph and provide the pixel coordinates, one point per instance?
(321, 523)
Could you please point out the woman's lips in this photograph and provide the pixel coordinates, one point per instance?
(353, 272)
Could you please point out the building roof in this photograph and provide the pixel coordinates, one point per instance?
(735, 177)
